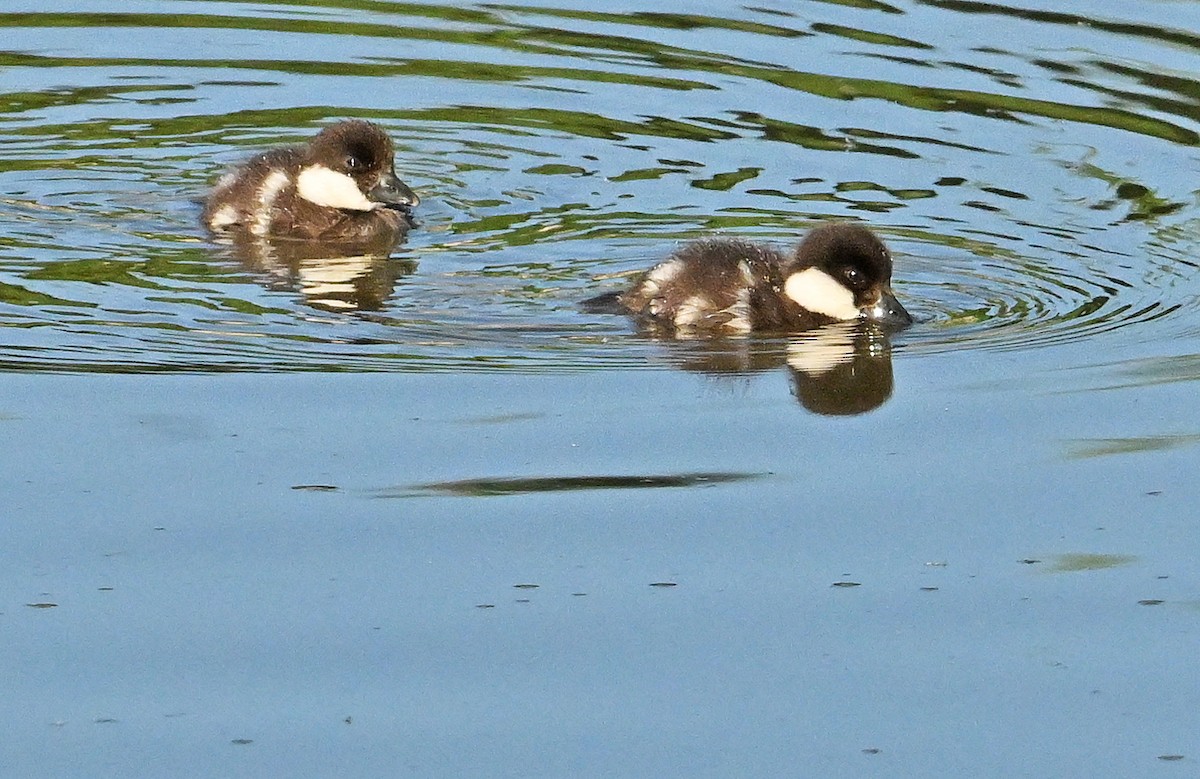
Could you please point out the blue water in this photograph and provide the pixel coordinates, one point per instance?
(275, 516)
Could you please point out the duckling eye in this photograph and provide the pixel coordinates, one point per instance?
(853, 276)
(353, 163)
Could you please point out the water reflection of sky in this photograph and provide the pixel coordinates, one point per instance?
(1016, 504)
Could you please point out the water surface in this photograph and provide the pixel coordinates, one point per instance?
(214, 565)
(1028, 192)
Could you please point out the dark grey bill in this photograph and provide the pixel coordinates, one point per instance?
(888, 312)
(393, 192)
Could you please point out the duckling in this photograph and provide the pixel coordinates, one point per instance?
(340, 186)
(839, 272)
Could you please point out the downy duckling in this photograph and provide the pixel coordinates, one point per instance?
(839, 272)
(340, 187)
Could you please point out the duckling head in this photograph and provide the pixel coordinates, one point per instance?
(844, 272)
(351, 165)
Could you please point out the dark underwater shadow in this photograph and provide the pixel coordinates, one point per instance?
(524, 485)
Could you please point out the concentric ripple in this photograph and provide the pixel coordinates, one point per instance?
(1008, 302)
(1033, 196)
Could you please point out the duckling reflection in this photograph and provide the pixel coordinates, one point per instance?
(839, 369)
(359, 276)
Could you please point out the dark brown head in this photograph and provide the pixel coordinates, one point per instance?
(350, 165)
(844, 272)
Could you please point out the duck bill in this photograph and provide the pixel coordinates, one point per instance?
(887, 311)
(391, 191)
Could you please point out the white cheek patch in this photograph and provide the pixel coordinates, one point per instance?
(324, 187)
(272, 185)
(816, 291)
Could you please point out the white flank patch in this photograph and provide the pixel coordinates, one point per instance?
(816, 291)
(739, 312)
(692, 312)
(272, 185)
(318, 184)
(659, 276)
(225, 215)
